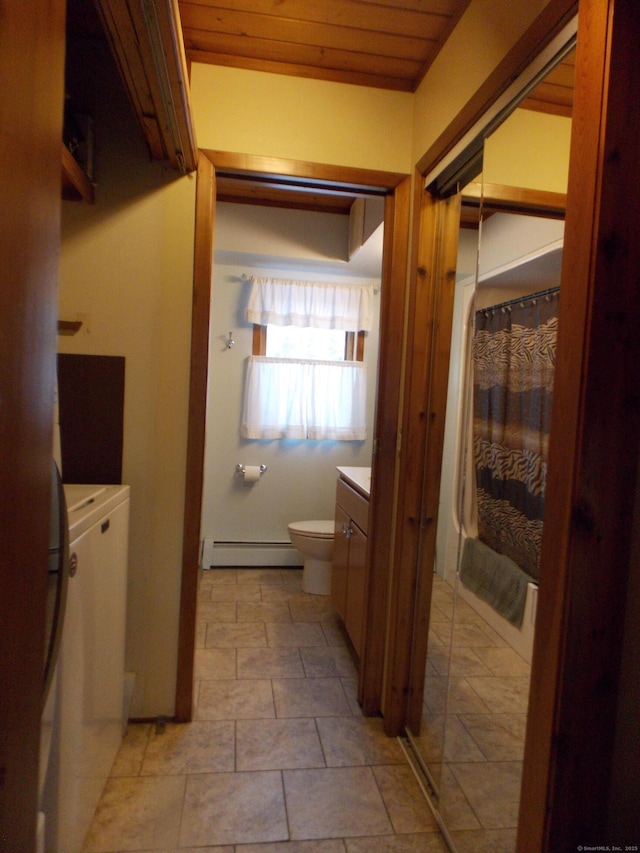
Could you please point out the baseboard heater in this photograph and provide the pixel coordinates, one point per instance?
(238, 554)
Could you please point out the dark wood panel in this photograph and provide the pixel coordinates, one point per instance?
(91, 406)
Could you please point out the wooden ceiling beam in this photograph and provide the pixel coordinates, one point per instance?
(310, 72)
(295, 53)
(393, 18)
(302, 174)
(496, 198)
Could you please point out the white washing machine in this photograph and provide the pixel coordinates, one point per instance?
(85, 717)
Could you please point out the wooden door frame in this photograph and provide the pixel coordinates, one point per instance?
(317, 178)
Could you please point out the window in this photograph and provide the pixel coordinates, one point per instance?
(294, 342)
(298, 342)
(302, 379)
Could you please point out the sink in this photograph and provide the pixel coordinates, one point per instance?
(358, 477)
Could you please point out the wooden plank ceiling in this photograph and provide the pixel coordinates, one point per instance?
(387, 44)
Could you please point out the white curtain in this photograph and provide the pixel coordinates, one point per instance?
(304, 399)
(310, 304)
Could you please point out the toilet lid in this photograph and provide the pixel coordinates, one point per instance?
(318, 529)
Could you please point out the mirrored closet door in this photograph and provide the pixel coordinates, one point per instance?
(469, 742)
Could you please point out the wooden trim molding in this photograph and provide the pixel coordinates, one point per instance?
(498, 197)
(146, 42)
(302, 174)
(203, 267)
(385, 458)
(259, 345)
(359, 345)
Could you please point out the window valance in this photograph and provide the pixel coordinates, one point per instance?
(310, 304)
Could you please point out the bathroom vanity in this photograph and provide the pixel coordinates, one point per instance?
(348, 584)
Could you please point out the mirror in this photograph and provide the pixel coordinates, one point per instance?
(471, 738)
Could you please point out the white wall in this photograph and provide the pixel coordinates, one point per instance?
(126, 270)
(544, 138)
(300, 480)
(319, 121)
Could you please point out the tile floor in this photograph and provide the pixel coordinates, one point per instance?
(473, 725)
(279, 758)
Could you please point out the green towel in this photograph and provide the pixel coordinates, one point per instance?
(495, 579)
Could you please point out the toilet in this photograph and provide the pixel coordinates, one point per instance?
(314, 540)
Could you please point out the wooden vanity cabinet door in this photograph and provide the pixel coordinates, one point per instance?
(349, 578)
(340, 568)
(354, 621)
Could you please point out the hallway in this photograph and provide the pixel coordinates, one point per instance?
(279, 758)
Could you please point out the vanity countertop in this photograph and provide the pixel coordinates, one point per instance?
(359, 478)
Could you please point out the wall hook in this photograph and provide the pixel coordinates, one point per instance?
(230, 342)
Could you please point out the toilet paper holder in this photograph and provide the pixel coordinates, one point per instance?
(240, 468)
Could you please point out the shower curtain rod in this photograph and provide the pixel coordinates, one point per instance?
(518, 299)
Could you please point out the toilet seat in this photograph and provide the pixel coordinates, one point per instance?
(313, 529)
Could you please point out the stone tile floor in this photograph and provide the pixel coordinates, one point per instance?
(473, 725)
(279, 758)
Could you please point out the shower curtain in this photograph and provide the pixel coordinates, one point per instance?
(514, 350)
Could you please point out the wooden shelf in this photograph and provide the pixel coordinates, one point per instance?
(69, 327)
(76, 186)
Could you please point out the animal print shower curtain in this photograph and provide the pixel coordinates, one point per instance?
(514, 348)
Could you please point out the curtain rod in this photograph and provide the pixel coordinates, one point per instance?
(518, 299)
(353, 283)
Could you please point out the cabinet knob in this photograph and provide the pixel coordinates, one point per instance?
(347, 530)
